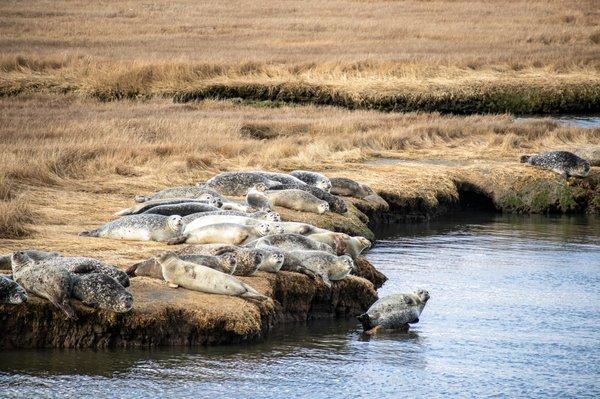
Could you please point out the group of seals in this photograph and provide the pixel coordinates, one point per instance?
(564, 163)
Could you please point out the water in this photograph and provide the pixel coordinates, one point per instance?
(584, 121)
(514, 312)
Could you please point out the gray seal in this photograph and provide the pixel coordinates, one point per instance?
(298, 200)
(323, 264)
(564, 163)
(140, 228)
(182, 209)
(51, 282)
(84, 265)
(394, 312)
(343, 243)
(225, 263)
(336, 204)
(257, 200)
(101, 292)
(144, 206)
(237, 183)
(34, 254)
(290, 242)
(11, 292)
(313, 179)
(350, 188)
(248, 260)
(179, 192)
(222, 233)
(268, 216)
(282, 178)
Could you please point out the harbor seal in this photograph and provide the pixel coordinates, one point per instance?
(248, 260)
(350, 188)
(144, 206)
(179, 192)
(343, 243)
(235, 206)
(282, 178)
(290, 242)
(298, 228)
(140, 228)
(313, 179)
(323, 264)
(269, 216)
(237, 183)
(83, 265)
(223, 233)
(564, 163)
(182, 209)
(11, 292)
(336, 204)
(179, 273)
(298, 200)
(394, 312)
(225, 263)
(51, 282)
(101, 292)
(218, 219)
(257, 200)
(34, 254)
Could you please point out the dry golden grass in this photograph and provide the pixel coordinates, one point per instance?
(75, 161)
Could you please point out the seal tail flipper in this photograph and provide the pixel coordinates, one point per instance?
(141, 198)
(525, 158)
(251, 293)
(365, 320)
(90, 233)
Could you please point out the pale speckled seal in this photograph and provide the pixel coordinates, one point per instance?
(343, 243)
(290, 242)
(237, 183)
(350, 188)
(564, 163)
(313, 179)
(140, 228)
(394, 312)
(336, 204)
(182, 209)
(257, 200)
(266, 216)
(223, 233)
(248, 260)
(179, 192)
(51, 282)
(179, 273)
(218, 219)
(11, 292)
(299, 228)
(225, 263)
(101, 292)
(298, 200)
(84, 265)
(323, 264)
(34, 254)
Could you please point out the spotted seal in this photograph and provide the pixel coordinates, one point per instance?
(34, 254)
(564, 163)
(11, 292)
(225, 263)
(260, 215)
(248, 260)
(51, 282)
(257, 200)
(394, 312)
(313, 179)
(273, 227)
(298, 200)
(179, 192)
(179, 273)
(350, 188)
(84, 265)
(237, 183)
(206, 199)
(141, 228)
(100, 291)
(223, 233)
(298, 228)
(336, 204)
(323, 264)
(182, 209)
(343, 243)
(290, 242)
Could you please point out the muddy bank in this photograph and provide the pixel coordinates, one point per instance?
(166, 316)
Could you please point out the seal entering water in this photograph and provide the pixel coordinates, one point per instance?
(564, 163)
(394, 312)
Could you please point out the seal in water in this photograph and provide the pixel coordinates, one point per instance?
(324, 264)
(394, 312)
(269, 216)
(350, 188)
(336, 204)
(257, 200)
(11, 292)
(102, 292)
(140, 228)
(298, 200)
(179, 192)
(52, 282)
(208, 200)
(34, 254)
(225, 263)
(84, 265)
(237, 183)
(183, 209)
(248, 260)
(223, 233)
(290, 242)
(204, 279)
(313, 179)
(343, 243)
(564, 163)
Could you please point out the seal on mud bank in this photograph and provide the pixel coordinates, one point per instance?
(223, 233)
(140, 228)
(394, 312)
(257, 200)
(350, 188)
(266, 216)
(343, 243)
(248, 260)
(564, 163)
(237, 183)
(225, 263)
(34, 254)
(144, 206)
(313, 179)
(179, 192)
(336, 204)
(298, 200)
(102, 292)
(290, 242)
(11, 292)
(324, 264)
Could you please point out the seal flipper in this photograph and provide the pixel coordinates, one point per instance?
(251, 293)
(90, 233)
(365, 320)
